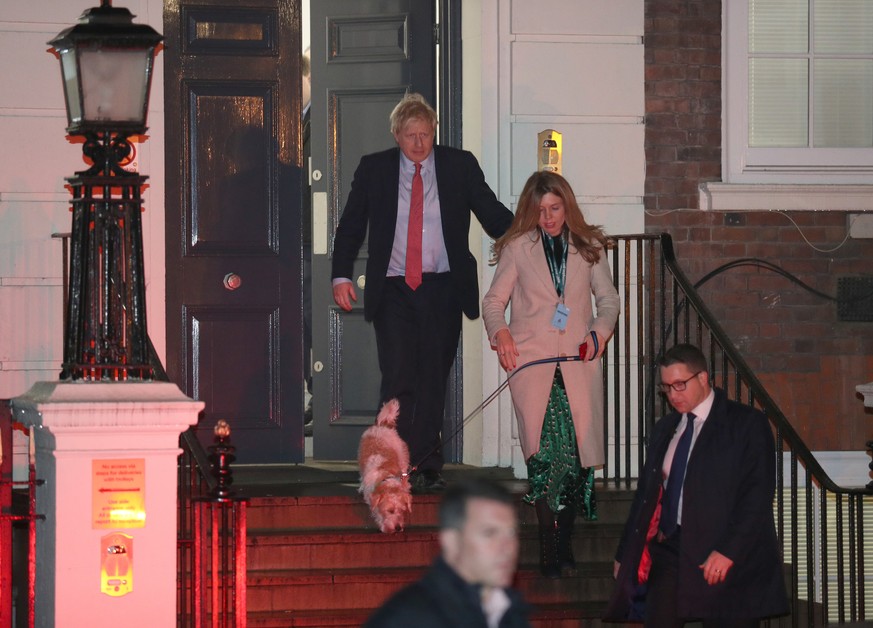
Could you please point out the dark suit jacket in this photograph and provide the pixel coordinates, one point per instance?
(727, 507)
(372, 204)
(441, 598)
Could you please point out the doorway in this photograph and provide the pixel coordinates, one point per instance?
(259, 187)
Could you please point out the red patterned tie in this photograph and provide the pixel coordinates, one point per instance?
(413, 236)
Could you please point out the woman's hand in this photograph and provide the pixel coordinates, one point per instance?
(594, 349)
(507, 352)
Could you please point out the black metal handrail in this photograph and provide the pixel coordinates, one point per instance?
(816, 518)
(210, 531)
(18, 519)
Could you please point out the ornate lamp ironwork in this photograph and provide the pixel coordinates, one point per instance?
(106, 63)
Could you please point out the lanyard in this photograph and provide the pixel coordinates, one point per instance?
(557, 268)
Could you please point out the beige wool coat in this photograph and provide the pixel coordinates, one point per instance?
(523, 278)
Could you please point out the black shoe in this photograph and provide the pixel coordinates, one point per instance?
(428, 481)
(548, 533)
(565, 520)
(435, 482)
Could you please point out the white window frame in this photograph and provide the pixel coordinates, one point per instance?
(758, 178)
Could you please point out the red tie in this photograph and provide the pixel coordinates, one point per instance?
(413, 236)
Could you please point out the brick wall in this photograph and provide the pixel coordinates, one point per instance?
(809, 361)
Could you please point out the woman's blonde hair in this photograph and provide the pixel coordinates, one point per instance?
(413, 106)
(589, 240)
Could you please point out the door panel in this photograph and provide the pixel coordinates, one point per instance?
(365, 56)
(234, 278)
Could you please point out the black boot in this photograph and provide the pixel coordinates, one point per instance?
(565, 521)
(548, 541)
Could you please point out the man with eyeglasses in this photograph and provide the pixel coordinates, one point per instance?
(700, 542)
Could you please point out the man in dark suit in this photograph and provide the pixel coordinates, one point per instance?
(707, 546)
(415, 295)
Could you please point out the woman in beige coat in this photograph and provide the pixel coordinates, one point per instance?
(549, 263)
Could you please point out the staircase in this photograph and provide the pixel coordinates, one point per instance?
(319, 561)
(315, 559)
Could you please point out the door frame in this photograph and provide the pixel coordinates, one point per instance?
(449, 106)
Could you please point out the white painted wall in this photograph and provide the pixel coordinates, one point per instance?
(576, 67)
(572, 65)
(34, 203)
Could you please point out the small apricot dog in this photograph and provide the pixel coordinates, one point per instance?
(383, 461)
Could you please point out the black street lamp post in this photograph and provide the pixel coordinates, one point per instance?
(106, 63)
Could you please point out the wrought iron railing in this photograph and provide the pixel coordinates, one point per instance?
(210, 532)
(821, 524)
(211, 537)
(211, 524)
(18, 519)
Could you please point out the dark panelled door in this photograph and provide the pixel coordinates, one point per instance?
(233, 176)
(365, 56)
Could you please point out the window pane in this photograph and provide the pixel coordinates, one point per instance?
(114, 84)
(843, 103)
(778, 102)
(778, 26)
(843, 26)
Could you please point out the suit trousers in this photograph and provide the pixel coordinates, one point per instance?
(417, 333)
(663, 591)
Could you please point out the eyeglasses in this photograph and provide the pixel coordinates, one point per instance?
(678, 386)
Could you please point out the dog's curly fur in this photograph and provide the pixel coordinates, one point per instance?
(383, 461)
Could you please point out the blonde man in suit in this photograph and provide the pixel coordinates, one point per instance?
(416, 312)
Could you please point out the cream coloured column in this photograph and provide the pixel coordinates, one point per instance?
(108, 454)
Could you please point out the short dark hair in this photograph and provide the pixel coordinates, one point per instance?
(453, 508)
(686, 354)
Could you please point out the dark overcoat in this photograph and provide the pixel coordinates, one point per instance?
(440, 599)
(727, 507)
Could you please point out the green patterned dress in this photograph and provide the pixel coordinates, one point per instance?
(554, 472)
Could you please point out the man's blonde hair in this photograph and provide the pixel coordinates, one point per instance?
(413, 106)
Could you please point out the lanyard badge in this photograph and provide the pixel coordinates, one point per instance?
(559, 319)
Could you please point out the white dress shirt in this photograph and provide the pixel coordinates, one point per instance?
(434, 258)
(701, 412)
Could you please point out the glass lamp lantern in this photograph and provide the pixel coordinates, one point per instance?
(106, 63)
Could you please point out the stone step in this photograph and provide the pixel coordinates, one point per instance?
(414, 547)
(331, 513)
(363, 588)
(318, 560)
(341, 550)
(351, 512)
(542, 616)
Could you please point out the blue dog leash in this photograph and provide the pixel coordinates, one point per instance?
(571, 358)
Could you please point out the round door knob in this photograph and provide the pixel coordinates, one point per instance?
(316, 175)
(362, 281)
(232, 281)
(318, 367)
